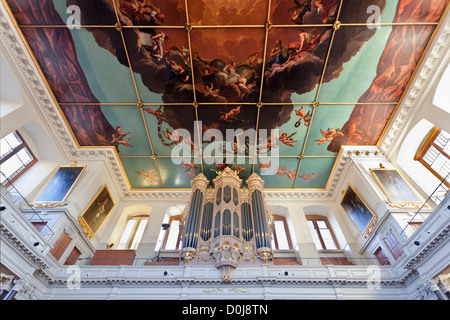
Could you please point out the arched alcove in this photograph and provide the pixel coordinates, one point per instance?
(171, 212)
(283, 211)
(44, 150)
(327, 212)
(127, 213)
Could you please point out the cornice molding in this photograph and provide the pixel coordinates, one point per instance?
(42, 98)
(191, 281)
(429, 249)
(18, 244)
(419, 87)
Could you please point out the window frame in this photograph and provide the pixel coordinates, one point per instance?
(314, 219)
(429, 142)
(166, 236)
(13, 152)
(139, 217)
(277, 217)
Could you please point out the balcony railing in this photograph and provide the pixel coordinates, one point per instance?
(305, 261)
(436, 197)
(17, 200)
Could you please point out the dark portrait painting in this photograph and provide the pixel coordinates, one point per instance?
(394, 186)
(96, 212)
(60, 185)
(357, 210)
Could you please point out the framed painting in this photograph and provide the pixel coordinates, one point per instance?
(96, 212)
(59, 186)
(395, 187)
(358, 211)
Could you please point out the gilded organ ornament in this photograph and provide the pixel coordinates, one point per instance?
(231, 229)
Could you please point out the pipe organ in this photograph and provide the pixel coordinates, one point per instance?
(226, 225)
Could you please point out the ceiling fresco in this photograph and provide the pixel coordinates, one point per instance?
(165, 81)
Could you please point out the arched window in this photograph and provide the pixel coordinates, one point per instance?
(281, 240)
(16, 157)
(133, 232)
(172, 239)
(321, 232)
(434, 154)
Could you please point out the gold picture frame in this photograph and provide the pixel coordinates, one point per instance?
(55, 192)
(394, 186)
(362, 217)
(96, 212)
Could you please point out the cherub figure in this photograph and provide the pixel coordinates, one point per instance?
(117, 137)
(189, 165)
(148, 175)
(190, 168)
(220, 166)
(287, 139)
(231, 115)
(290, 174)
(281, 171)
(306, 117)
(157, 113)
(267, 144)
(329, 135)
(307, 177)
(264, 166)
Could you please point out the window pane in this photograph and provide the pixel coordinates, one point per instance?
(4, 147)
(283, 243)
(437, 160)
(172, 238)
(321, 224)
(139, 233)
(441, 165)
(9, 142)
(10, 167)
(314, 235)
(328, 239)
(443, 141)
(25, 156)
(127, 235)
(18, 158)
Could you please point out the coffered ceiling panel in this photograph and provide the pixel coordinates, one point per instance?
(182, 87)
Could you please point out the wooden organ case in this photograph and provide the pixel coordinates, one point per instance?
(227, 225)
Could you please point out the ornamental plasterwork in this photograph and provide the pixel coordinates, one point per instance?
(31, 79)
(419, 86)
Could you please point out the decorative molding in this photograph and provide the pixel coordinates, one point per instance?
(31, 78)
(418, 88)
(187, 281)
(437, 241)
(18, 244)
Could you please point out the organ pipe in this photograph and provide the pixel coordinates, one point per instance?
(192, 225)
(205, 232)
(226, 225)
